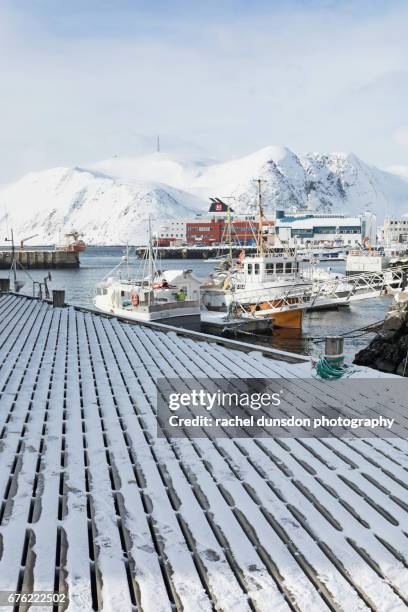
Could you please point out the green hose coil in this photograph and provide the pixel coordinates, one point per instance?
(331, 369)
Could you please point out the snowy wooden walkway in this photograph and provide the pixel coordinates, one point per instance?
(94, 505)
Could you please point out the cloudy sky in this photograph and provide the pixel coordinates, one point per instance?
(85, 80)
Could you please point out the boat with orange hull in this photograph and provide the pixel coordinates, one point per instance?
(265, 285)
(268, 285)
(290, 318)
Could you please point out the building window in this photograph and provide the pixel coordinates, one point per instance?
(249, 268)
(288, 267)
(279, 268)
(256, 267)
(269, 268)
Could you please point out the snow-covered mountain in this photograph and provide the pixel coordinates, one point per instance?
(110, 201)
(105, 209)
(324, 182)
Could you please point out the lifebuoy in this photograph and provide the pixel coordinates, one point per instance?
(134, 298)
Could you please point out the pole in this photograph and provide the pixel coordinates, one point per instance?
(261, 246)
(232, 306)
(127, 260)
(229, 234)
(150, 260)
(14, 259)
(158, 144)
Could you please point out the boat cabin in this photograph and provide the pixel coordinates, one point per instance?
(265, 268)
(168, 286)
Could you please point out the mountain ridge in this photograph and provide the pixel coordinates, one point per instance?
(110, 201)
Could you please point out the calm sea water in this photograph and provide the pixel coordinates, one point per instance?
(96, 262)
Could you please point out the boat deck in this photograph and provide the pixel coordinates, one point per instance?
(95, 506)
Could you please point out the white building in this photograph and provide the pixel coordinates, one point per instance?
(325, 228)
(173, 230)
(394, 230)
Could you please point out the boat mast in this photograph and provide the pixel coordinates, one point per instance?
(127, 261)
(150, 260)
(232, 306)
(13, 258)
(229, 234)
(261, 246)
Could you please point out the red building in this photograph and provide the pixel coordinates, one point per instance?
(216, 231)
(211, 230)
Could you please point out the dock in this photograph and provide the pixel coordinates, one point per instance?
(197, 252)
(96, 507)
(40, 259)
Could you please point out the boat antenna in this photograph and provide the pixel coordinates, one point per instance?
(261, 246)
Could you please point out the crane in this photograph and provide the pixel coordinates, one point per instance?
(25, 240)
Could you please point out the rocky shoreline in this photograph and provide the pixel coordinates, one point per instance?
(388, 352)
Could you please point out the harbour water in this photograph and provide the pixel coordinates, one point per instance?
(96, 262)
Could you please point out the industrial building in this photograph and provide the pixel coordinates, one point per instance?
(174, 231)
(222, 224)
(212, 229)
(325, 228)
(394, 230)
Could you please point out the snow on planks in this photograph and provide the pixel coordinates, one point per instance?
(95, 506)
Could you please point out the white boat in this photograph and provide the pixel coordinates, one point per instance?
(171, 297)
(271, 285)
(268, 284)
(324, 253)
(366, 260)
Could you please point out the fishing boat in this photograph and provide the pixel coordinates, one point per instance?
(171, 297)
(265, 285)
(73, 242)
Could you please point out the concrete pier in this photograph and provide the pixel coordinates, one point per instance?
(40, 259)
(197, 252)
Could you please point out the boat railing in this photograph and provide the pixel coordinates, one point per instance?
(156, 307)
